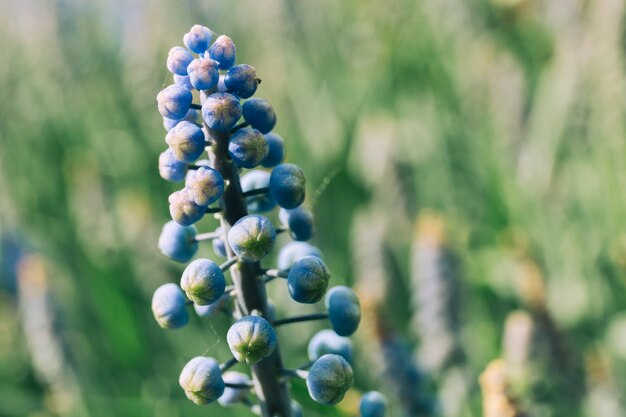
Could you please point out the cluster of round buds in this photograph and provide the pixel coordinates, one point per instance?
(245, 163)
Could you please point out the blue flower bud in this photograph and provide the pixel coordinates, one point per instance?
(259, 113)
(233, 396)
(183, 209)
(299, 221)
(221, 111)
(170, 168)
(329, 379)
(373, 404)
(252, 237)
(183, 81)
(177, 60)
(287, 185)
(344, 310)
(201, 379)
(213, 309)
(247, 148)
(169, 124)
(191, 173)
(191, 116)
(186, 140)
(296, 410)
(327, 341)
(203, 73)
(223, 51)
(254, 180)
(203, 281)
(276, 152)
(174, 102)
(241, 80)
(178, 242)
(206, 186)
(219, 247)
(308, 280)
(293, 252)
(251, 339)
(198, 38)
(168, 307)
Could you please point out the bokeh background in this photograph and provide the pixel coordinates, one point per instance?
(465, 163)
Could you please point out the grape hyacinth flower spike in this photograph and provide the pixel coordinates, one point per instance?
(219, 185)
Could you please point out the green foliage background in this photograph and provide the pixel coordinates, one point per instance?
(506, 117)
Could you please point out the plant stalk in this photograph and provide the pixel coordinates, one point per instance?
(272, 392)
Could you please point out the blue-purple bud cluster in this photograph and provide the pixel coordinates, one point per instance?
(248, 168)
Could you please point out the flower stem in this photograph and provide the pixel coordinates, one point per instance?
(275, 273)
(238, 386)
(295, 373)
(257, 191)
(208, 236)
(299, 319)
(228, 364)
(239, 126)
(272, 392)
(228, 264)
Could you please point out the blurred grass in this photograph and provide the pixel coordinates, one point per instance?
(505, 116)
